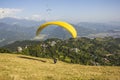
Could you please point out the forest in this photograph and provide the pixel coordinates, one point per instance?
(85, 51)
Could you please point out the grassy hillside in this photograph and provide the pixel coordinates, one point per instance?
(20, 67)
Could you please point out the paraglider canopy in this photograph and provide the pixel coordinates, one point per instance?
(62, 24)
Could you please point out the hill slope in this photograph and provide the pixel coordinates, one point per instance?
(20, 67)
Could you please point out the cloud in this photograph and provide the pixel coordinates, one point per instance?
(9, 12)
(40, 37)
(35, 17)
(14, 13)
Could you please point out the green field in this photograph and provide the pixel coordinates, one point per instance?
(21, 67)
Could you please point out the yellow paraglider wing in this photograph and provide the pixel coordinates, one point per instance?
(65, 25)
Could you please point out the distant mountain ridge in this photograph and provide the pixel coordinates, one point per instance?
(10, 33)
(21, 22)
(100, 27)
(12, 29)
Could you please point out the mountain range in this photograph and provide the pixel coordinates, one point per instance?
(12, 29)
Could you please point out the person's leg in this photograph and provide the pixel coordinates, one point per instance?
(55, 60)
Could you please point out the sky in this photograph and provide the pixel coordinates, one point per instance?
(67, 10)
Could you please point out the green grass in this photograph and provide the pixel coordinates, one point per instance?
(21, 67)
